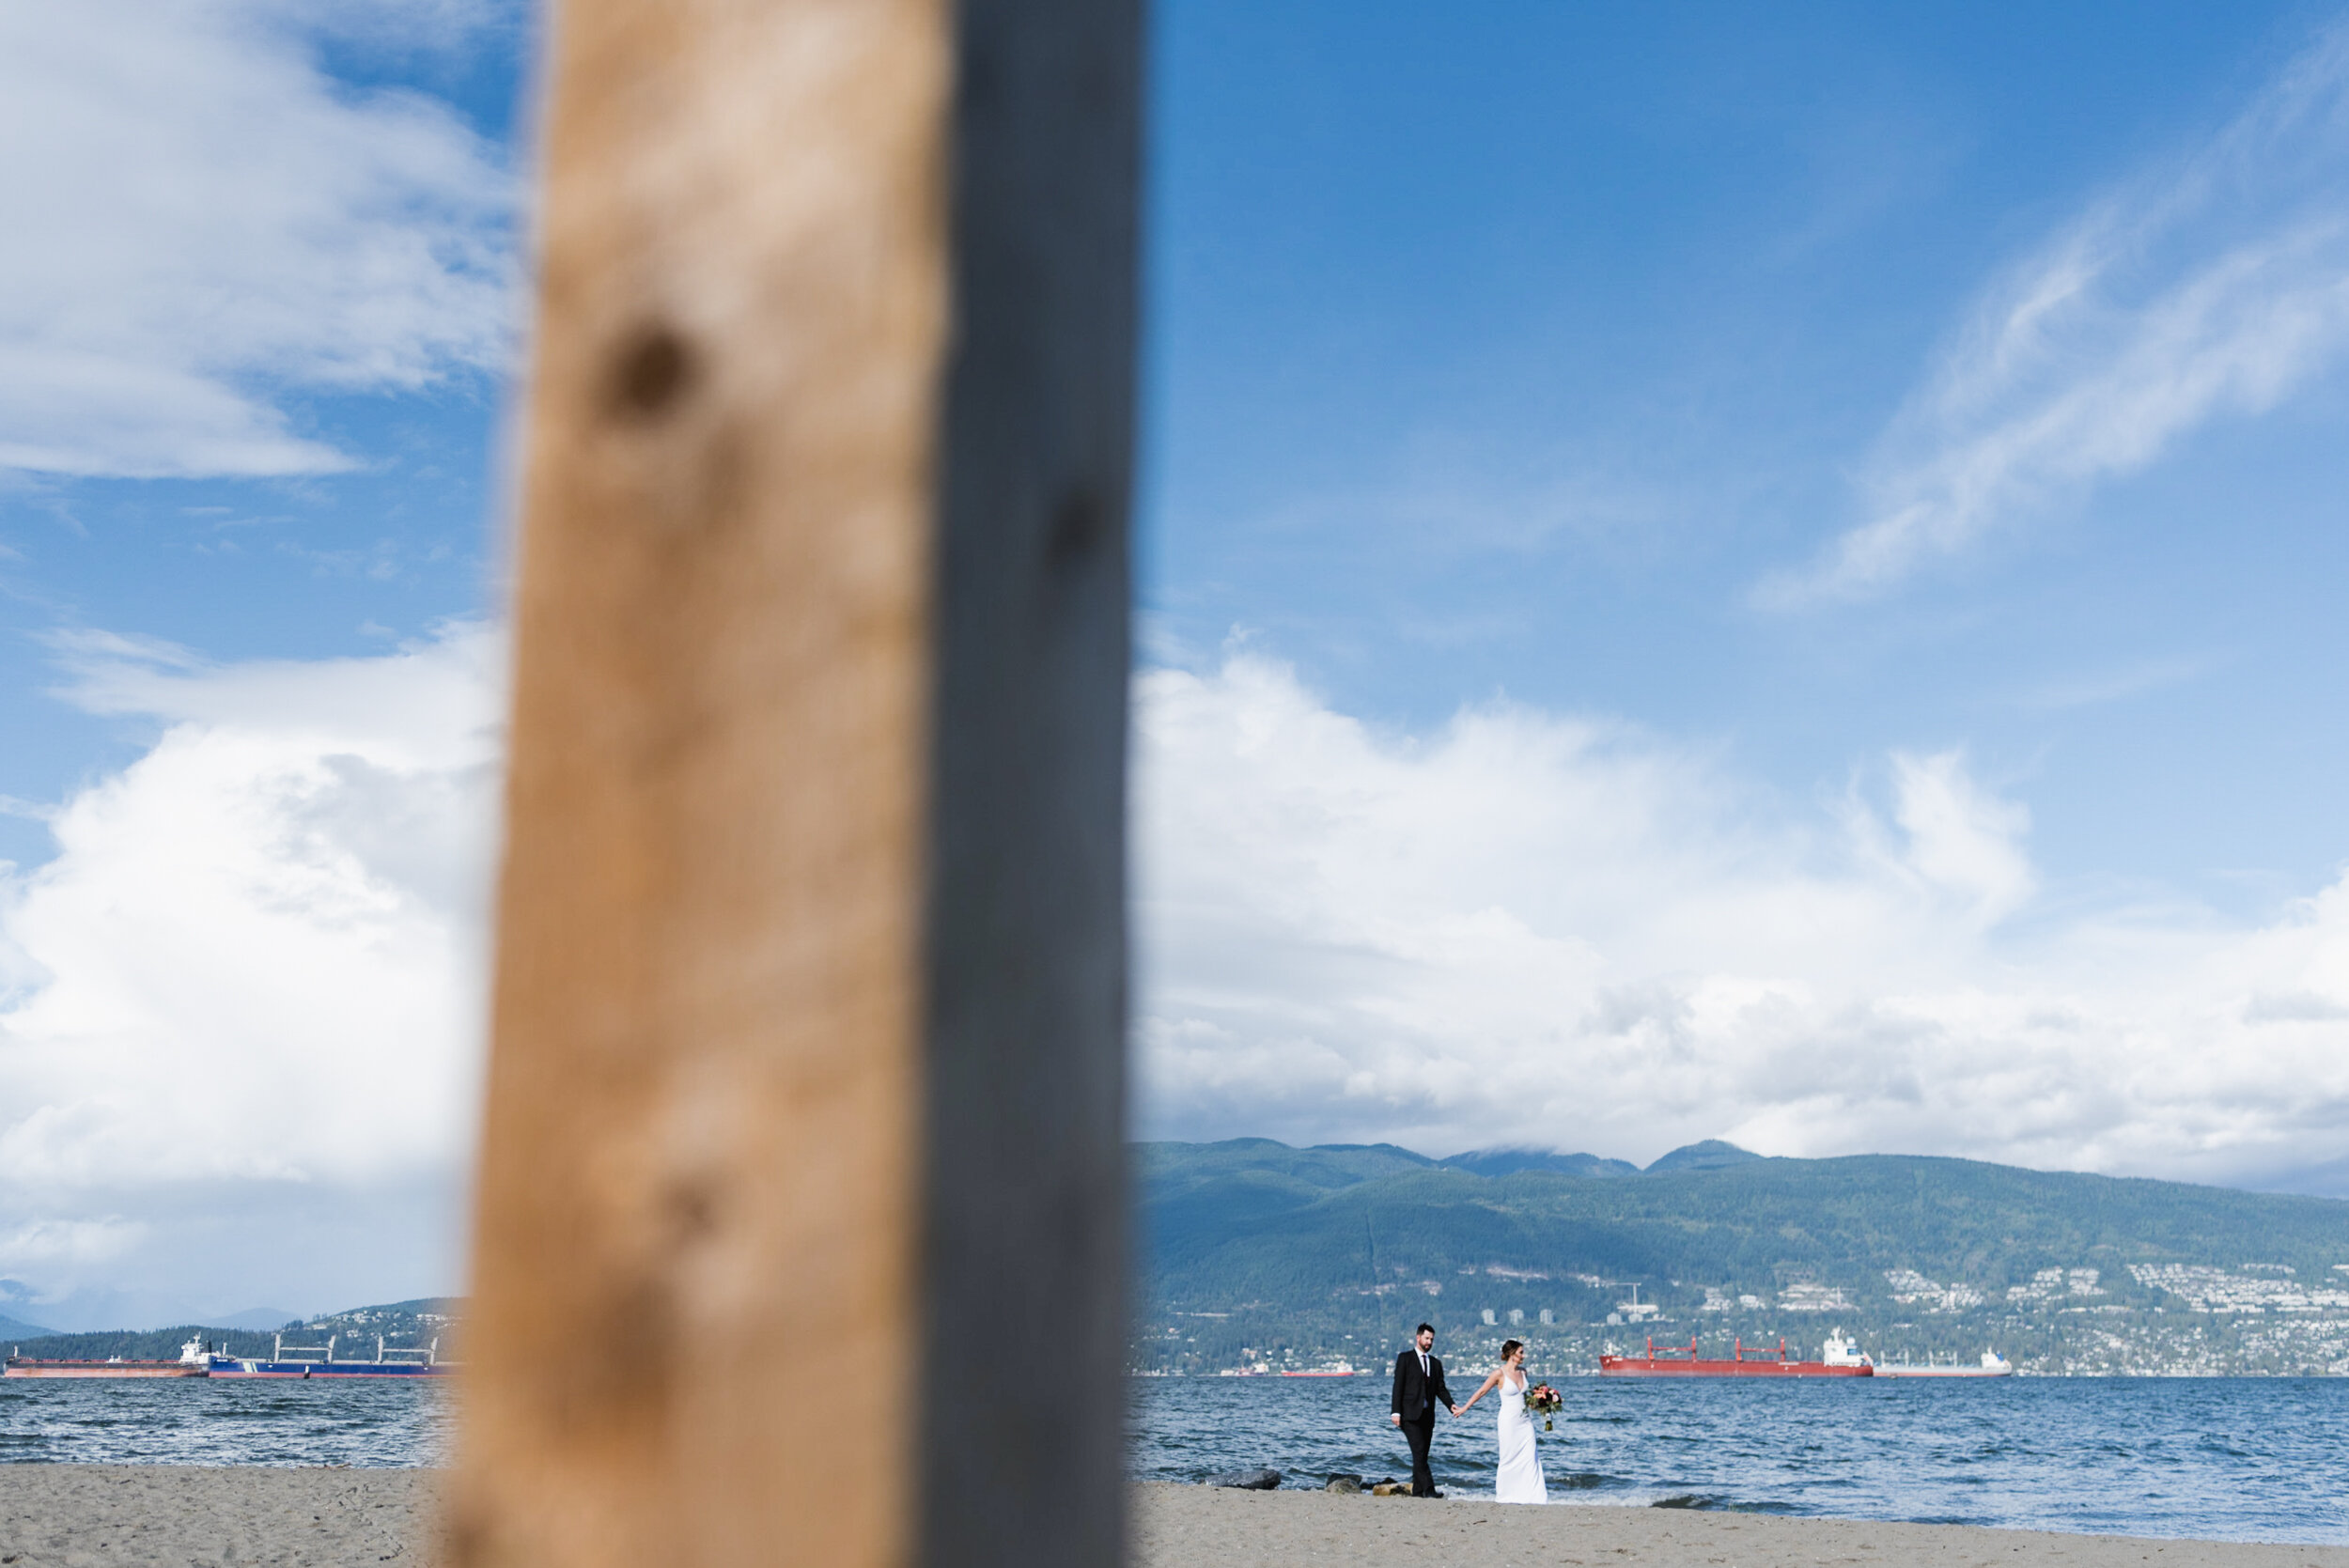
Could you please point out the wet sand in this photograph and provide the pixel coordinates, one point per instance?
(167, 1516)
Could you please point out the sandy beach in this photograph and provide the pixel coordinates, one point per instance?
(1194, 1526)
(179, 1516)
(163, 1517)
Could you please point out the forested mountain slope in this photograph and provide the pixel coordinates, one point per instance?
(1321, 1249)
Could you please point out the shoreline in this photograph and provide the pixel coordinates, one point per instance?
(99, 1515)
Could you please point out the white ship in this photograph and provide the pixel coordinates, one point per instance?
(1992, 1365)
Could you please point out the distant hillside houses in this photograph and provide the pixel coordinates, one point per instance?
(1912, 1289)
(2272, 1288)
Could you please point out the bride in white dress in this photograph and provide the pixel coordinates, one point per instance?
(1520, 1476)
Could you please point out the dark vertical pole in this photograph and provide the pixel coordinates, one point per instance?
(1026, 1196)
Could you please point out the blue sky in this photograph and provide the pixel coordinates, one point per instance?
(1511, 355)
(336, 554)
(1707, 572)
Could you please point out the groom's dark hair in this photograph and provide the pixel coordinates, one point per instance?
(1423, 1329)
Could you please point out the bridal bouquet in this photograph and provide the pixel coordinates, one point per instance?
(1544, 1401)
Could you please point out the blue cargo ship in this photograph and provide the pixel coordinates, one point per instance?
(317, 1360)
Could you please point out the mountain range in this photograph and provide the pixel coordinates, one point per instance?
(26, 1310)
(1255, 1253)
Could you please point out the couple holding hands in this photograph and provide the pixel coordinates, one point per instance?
(1419, 1387)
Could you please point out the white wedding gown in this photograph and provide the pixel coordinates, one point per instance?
(1520, 1477)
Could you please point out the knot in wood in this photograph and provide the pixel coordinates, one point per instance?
(653, 370)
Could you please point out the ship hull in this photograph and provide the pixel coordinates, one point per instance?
(1945, 1372)
(316, 1370)
(103, 1369)
(1683, 1366)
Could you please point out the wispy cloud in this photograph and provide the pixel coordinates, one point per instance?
(201, 220)
(2114, 685)
(2216, 285)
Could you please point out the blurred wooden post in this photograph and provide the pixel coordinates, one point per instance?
(798, 1228)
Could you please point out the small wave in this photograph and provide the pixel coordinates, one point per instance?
(1582, 1481)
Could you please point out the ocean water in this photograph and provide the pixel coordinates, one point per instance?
(2236, 1459)
(196, 1420)
(2248, 1459)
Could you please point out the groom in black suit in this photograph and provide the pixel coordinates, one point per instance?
(1418, 1388)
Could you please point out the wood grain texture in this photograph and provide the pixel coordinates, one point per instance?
(694, 1302)
(807, 1074)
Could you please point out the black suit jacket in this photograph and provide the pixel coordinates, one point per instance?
(1416, 1396)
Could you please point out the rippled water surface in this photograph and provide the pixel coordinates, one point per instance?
(195, 1420)
(2261, 1459)
(2229, 1459)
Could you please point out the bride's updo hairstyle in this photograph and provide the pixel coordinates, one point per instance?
(1510, 1347)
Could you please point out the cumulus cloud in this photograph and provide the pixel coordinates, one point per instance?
(1525, 928)
(252, 975)
(204, 221)
(240, 1008)
(2217, 284)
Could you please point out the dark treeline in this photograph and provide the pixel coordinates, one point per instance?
(403, 1325)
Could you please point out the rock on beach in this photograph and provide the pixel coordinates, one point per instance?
(1247, 1480)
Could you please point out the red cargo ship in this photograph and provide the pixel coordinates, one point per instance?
(1844, 1359)
(195, 1361)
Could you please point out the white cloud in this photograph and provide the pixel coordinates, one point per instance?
(240, 1009)
(2214, 286)
(46, 1242)
(1959, 838)
(1529, 929)
(201, 220)
(255, 966)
